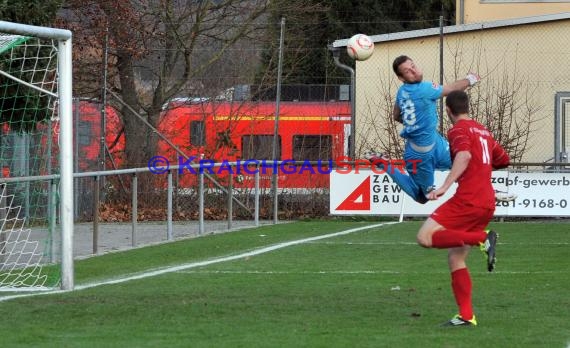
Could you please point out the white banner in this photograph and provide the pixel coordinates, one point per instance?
(539, 194)
(367, 193)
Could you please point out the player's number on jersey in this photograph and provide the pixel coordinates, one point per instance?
(485, 156)
(409, 112)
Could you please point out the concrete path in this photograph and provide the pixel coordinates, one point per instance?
(119, 236)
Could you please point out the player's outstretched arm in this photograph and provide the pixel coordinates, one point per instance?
(460, 85)
(460, 163)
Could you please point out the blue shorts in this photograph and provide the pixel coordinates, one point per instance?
(422, 165)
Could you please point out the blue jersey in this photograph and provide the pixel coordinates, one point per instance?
(417, 103)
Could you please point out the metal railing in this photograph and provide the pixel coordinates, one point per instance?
(201, 192)
(169, 204)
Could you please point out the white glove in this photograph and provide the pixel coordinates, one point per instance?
(473, 79)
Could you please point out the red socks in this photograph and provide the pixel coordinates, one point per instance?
(460, 279)
(452, 238)
(461, 285)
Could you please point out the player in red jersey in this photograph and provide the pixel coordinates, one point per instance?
(459, 223)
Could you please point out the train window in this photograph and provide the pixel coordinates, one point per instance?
(259, 147)
(312, 147)
(197, 133)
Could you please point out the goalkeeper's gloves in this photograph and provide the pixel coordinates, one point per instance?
(473, 79)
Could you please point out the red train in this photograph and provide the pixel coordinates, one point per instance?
(307, 131)
(229, 131)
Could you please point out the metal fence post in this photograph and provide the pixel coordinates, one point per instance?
(169, 207)
(134, 185)
(201, 202)
(230, 201)
(256, 197)
(275, 190)
(95, 214)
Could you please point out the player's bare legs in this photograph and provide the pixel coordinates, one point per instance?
(456, 257)
(424, 236)
(460, 278)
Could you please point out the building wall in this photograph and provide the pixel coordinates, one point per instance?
(527, 62)
(475, 11)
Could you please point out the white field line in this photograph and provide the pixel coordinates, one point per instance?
(285, 272)
(203, 263)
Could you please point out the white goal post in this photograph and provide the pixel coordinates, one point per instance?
(63, 95)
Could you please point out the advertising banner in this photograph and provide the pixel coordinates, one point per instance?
(367, 193)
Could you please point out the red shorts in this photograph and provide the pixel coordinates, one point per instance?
(454, 215)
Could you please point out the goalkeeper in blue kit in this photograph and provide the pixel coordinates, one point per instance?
(426, 150)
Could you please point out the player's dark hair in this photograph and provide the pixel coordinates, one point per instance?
(457, 102)
(397, 62)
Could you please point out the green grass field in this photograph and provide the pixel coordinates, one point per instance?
(370, 288)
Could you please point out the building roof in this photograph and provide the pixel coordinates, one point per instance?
(461, 28)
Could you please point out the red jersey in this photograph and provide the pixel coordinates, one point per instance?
(474, 185)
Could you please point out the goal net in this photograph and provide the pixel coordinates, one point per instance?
(36, 175)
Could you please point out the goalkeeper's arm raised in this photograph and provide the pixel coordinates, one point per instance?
(460, 85)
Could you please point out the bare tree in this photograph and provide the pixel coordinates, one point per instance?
(375, 123)
(503, 102)
(160, 49)
(505, 105)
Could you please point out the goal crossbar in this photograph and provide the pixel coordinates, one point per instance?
(36, 31)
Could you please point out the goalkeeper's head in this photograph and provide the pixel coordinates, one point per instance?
(406, 70)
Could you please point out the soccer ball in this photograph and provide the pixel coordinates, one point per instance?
(360, 47)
